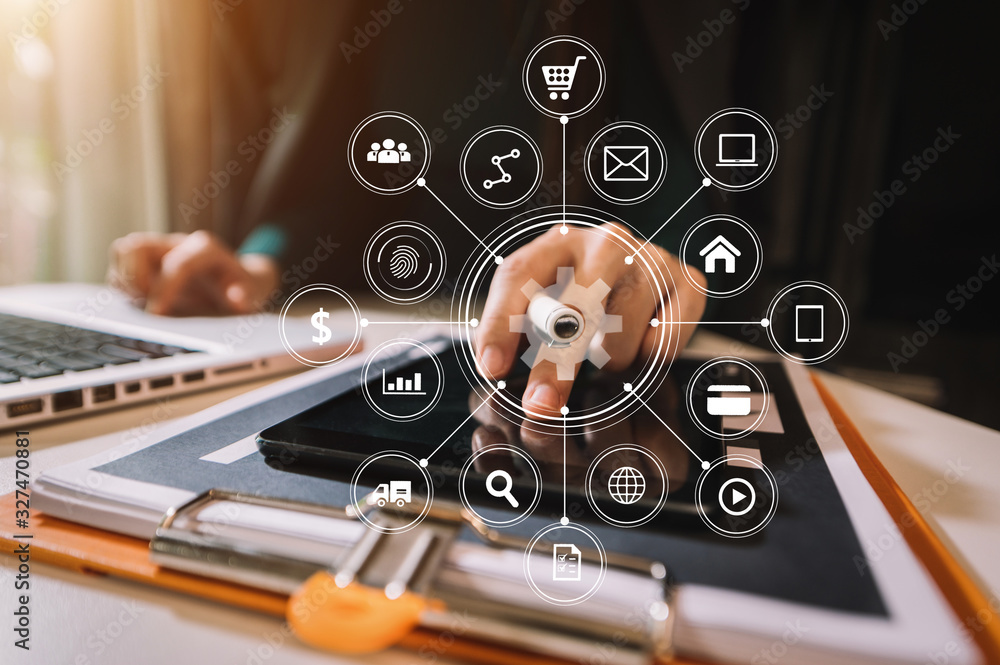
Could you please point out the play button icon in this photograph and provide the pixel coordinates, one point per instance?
(737, 496)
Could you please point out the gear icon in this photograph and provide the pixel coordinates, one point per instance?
(589, 301)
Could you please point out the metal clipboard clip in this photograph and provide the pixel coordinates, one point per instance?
(353, 589)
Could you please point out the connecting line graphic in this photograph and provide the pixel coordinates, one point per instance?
(704, 464)
(565, 519)
(760, 322)
(704, 183)
(564, 121)
(471, 322)
(423, 183)
(500, 386)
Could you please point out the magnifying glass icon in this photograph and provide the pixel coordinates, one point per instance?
(503, 492)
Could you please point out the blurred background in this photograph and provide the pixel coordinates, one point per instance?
(114, 113)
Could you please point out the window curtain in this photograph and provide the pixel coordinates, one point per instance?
(81, 135)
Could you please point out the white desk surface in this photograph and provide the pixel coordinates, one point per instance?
(86, 620)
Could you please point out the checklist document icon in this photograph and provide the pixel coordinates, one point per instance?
(565, 563)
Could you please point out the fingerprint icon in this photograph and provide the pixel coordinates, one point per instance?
(404, 262)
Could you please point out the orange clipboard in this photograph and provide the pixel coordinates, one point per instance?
(90, 550)
(98, 552)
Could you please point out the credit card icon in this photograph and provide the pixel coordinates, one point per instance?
(728, 404)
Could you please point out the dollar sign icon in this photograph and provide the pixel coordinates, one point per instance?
(317, 322)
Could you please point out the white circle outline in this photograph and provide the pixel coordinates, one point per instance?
(420, 297)
(365, 380)
(526, 223)
(554, 40)
(534, 470)
(463, 176)
(753, 496)
(357, 325)
(750, 280)
(843, 333)
(737, 111)
(659, 504)
(690, 397)
(701, 507)
(593, 589)
(529, 226)
(427, 503)
(593, 181)
(380, 116)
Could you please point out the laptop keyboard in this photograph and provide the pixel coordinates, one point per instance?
(32, 349)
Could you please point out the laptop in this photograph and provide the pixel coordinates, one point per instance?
(737, 150)
(74, 349)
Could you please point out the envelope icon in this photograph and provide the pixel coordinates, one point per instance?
(626, 163)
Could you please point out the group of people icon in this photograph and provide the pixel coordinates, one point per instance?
(388, 153)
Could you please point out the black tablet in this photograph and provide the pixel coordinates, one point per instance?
(335, 437)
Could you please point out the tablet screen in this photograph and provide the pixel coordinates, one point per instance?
(334, 437)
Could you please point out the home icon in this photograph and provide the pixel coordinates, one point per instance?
(720, 249)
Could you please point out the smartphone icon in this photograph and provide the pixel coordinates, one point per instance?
(809, 323)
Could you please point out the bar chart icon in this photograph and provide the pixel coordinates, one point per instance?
(403, 386)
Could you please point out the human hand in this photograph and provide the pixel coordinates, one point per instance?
(180, 274)
(594, 254)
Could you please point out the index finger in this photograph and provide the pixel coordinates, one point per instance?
(134, 261)
(496, 345)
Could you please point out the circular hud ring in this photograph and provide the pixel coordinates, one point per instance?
(471, 294)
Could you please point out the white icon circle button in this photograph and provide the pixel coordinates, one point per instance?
(807, 322)
(727, 250)
(394, 483)
(564, 77)
(312, 339)
(400, 390)
(625, 163)
(736, 149)
(501, 167)
(500, 485)
(746, 499)
(388, 152)
(565, 564)
(727, 398)
(405, 262)
(626, 485)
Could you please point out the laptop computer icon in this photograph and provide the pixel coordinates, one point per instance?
(737, 150)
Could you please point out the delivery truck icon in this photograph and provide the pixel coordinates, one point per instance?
(396, 491)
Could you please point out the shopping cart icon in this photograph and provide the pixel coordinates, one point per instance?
(559, 78)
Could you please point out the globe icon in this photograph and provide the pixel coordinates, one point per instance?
(626, 485)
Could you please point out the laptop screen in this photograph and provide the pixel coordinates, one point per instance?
(736, 148)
